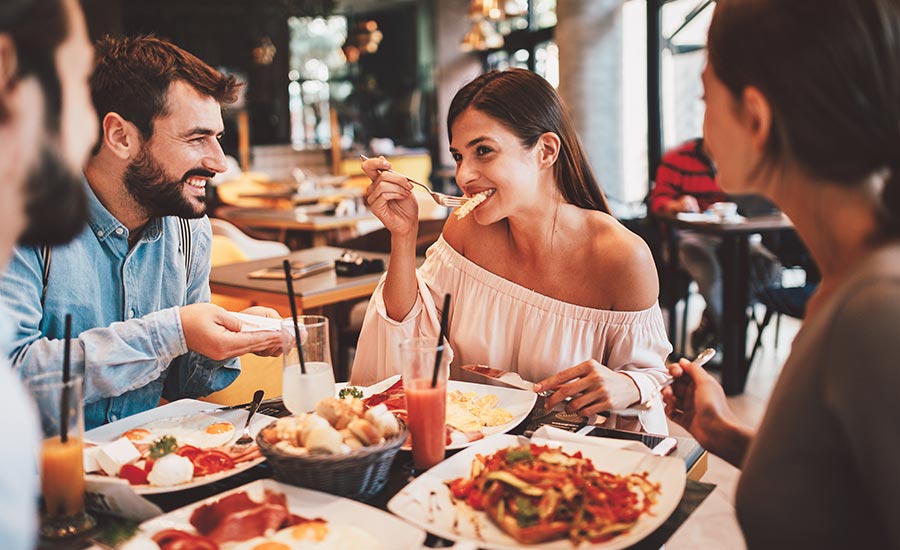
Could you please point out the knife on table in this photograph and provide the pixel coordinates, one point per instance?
(506, 377)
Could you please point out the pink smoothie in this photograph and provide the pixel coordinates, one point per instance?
(427, 410)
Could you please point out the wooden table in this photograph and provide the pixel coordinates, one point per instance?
(734, 256)
(296, 231)
(311, 292)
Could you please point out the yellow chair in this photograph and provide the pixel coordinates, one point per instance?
(258, 372)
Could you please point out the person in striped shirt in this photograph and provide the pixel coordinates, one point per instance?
(686, 182)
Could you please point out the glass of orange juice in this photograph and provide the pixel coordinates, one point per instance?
(426, 404)
(62, 461)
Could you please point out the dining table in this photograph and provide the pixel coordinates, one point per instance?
(311, 292)
(111, 528)
(734, 258)
(296, 227)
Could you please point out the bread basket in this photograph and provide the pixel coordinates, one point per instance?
(359, 475)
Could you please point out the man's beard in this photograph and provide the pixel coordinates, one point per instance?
(55, 204)
(146, 181)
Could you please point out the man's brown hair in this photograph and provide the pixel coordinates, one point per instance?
(133, 74)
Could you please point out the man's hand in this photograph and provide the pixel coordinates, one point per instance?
(685, 203)
(211, 331)
(593, 388)
(274, 351)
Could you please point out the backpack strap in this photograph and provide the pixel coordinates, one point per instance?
(185, 237)
(46, 255)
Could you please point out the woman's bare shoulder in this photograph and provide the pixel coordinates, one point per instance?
(626, 261)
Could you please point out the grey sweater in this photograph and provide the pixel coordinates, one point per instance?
(824, 468)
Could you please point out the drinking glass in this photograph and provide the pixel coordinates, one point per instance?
(301, 391)
(426, 405)
(62, 462)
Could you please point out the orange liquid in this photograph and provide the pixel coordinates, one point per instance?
(427, 409)
(62, 476)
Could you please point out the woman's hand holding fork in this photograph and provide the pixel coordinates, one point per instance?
(391, 199)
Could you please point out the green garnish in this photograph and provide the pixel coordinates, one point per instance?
(163, 446)
(351, 391)
(518, 454)
(526, 512)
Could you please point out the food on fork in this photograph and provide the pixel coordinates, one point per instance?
(473, 203)
(537, 493)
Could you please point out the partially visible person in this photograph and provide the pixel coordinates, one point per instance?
(136, 280)
(686, 182)
(544, 281)
(803, 106)
(47, 126)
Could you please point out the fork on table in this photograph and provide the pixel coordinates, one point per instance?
(440, 198)
(246, 439)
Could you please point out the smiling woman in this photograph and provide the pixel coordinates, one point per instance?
(544, 282)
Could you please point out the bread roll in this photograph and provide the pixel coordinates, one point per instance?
(384, 420)
(324, 440)
(336, 411)
(365, 431)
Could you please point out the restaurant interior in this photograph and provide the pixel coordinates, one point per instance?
(327, 81)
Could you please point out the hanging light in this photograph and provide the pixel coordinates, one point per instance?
(485, 9)
(483, 35)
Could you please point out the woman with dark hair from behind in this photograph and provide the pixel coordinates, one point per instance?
(544, 281)
(803, 106)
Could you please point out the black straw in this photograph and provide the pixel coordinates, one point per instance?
(64, 405)
(290, 288)
(441, 336)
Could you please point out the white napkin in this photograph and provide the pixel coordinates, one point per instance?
(258, 323)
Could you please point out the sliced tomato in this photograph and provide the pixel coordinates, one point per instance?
(476, 500)
(148, 465)
(134, 475)
(211, 462)
(460, 487)
(188, 451)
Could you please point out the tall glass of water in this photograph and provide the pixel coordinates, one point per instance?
(301, 391)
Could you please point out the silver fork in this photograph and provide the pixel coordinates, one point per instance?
(246, 439)
(702, 359)
(440, 198)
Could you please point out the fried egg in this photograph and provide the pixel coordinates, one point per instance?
(206, 433)
(312, 536)
(139, 436)
(203, 431)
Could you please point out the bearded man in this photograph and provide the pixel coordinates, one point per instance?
(136, 279)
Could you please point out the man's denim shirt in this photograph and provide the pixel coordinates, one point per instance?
(126, 327)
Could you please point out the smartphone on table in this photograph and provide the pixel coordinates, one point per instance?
(658, 444)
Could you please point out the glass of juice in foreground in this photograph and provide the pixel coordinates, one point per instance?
(62, 462)
(426, 404)
(301, 391)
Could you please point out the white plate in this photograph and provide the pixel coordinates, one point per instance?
(182, 407)
(311, 504)
(518, 402)
(412, 503)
